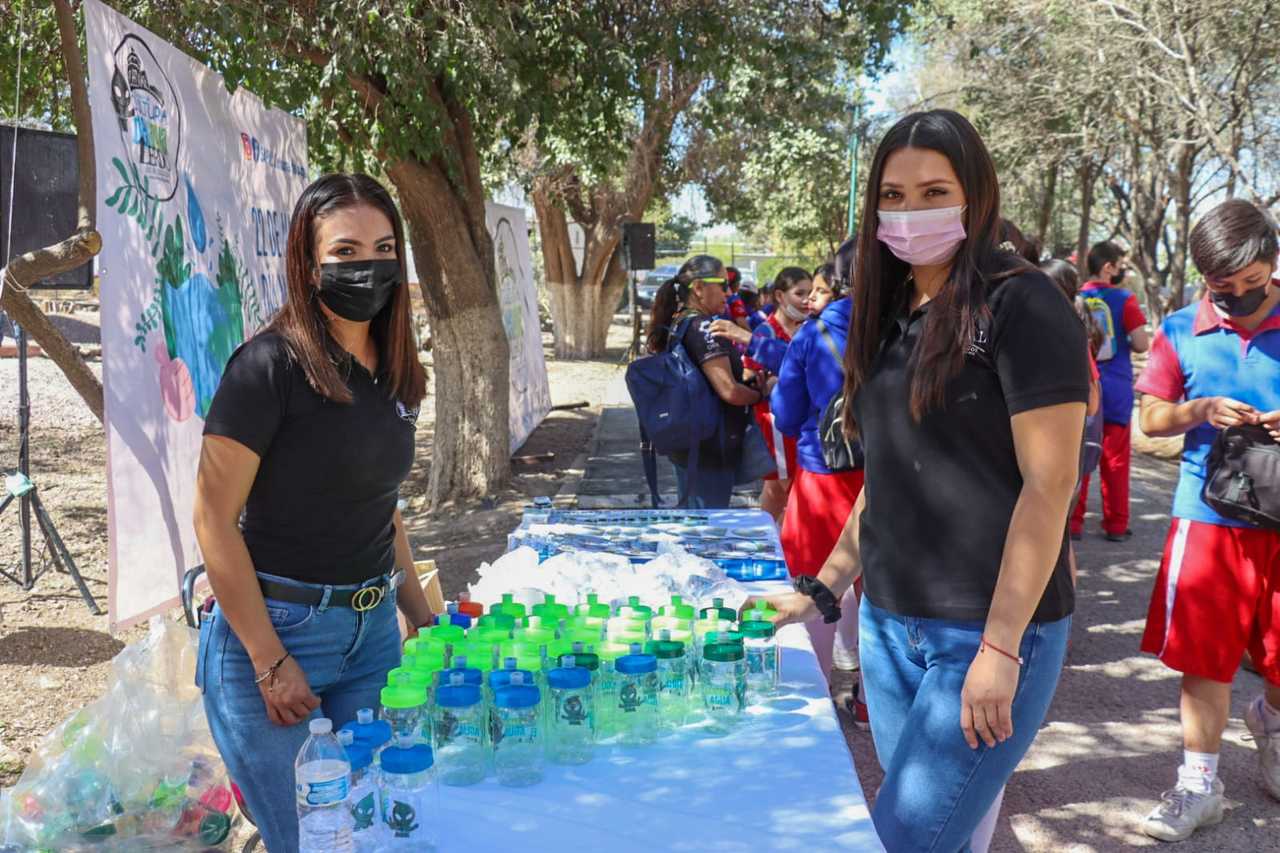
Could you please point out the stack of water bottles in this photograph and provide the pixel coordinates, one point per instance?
(505, 692)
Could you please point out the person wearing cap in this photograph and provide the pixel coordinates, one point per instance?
(694, 299)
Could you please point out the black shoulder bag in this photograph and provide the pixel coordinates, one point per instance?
(1242, 476)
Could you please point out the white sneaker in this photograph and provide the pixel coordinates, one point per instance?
(1182, 812)
(1268, 744)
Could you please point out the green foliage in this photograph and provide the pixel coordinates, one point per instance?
(44, 97)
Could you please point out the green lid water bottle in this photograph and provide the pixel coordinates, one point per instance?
(508, 606)
(551, 609)
(717, 610)
(593, 607)
(673, 682)
(761, 646)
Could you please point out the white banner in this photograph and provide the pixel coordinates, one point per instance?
(518, 297)
(195, 189)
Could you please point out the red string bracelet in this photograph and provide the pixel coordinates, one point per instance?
(987, 644)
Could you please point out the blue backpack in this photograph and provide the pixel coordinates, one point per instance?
(676, 407)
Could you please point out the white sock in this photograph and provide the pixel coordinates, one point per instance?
(1270, 715)
(1198, 771)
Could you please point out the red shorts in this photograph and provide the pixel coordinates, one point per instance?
(1217, 594)
(781, 447)
(816, 512)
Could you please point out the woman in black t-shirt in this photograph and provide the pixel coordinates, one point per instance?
(967, 380)
(692, 301)
(307, 442)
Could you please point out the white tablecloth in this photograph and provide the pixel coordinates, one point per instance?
(783, 781)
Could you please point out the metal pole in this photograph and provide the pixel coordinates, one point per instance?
(24, 457)
(854, 142)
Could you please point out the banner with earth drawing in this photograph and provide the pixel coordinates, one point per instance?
(195, 188)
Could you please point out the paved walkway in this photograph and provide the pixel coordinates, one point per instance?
(1112, 741)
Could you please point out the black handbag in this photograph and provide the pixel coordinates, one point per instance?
(838, 453)
(1242, 479)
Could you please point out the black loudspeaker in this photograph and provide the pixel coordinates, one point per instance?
(46, 198)
(637, 246)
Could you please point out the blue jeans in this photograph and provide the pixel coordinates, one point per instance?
(712, 487)
(346, 656)
(936, 789)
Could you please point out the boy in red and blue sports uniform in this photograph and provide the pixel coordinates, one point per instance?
(1216, 364)
(1108, 268)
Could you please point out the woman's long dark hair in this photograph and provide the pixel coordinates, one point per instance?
(880, 290)
(301, 322)
(673, 293)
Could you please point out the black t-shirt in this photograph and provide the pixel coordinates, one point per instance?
(941, 493)
(320, 509)
(702, 346)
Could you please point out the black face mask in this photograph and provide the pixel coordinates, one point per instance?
(1240, 306)
(358, 290)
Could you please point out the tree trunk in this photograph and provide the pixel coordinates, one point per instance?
(582, 305)
(470, 455)
(1181, 228)
(1086, 212)
(1047, 201)
(77, 250)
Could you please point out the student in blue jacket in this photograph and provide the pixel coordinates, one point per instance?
(821, 500)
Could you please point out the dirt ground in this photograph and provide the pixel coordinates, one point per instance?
(55, 655)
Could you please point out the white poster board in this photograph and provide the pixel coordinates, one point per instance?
(518, 298)
(195, 189)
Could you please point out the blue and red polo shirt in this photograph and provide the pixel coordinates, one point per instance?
(1199, 353)
(1117, 373)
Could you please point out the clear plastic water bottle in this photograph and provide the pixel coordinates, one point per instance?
(322, 779)
(607, 690)
(571, 733)
(517, 735)
(458, 729)
(761, 647)
(723, 684)
(410, 797)
(362, 800)
(673, 683)
(636, 712)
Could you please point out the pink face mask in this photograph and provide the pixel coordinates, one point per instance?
(922, 238)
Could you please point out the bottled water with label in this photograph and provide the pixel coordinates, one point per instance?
(322, 779)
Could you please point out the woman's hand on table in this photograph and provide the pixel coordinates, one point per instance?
(791, 607)
(288, 696)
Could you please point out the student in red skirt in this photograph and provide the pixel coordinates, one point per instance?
(766, 347)
(820, 499)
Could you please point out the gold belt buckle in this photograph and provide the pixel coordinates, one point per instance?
(367, 598)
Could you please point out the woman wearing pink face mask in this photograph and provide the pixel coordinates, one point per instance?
(966, 381)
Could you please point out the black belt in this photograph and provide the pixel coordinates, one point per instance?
(360, 600)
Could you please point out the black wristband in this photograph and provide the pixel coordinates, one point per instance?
(822, 597)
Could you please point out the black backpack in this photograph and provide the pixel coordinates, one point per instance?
(1242, 479)
(838, 453)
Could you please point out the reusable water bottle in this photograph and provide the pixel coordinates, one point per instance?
(362, 800)
(761, 647)
(607, 689)
(636, 711)
(452, 616)
(673, 683)
(587, 634)
(410, 801)
(571, 733)
(403, 708)
(723, 684)
(508, 606)
(593, 607)
(551, 609)
(678, 609)
(496, 620)
(322, 777)
(517, 735)
(367, 730)
(465, 605)
(626, 629)
(409, 673)
(760, 611)
(458, 729)
(635, 609)
(717, 610)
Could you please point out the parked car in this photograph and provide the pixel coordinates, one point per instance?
(647, 288)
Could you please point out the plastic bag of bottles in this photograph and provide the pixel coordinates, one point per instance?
(135, 770)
